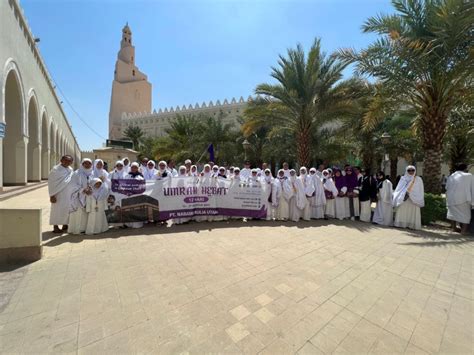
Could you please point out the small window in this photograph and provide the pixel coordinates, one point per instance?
(133, 72)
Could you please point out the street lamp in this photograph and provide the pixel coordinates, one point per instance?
(385, 138)
(246, 146)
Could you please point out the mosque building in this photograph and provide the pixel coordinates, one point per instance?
(131, 99)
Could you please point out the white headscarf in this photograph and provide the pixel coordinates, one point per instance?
(149, 173)
(204, 173)
(99, 193)
(182, 168)
(126, 167)
(99, 172)
(411, 184)
(267, 178)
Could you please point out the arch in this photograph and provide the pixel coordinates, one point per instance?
(14, 143)
(52, 149)
(45, 143)
(57, 148)
(34, 146)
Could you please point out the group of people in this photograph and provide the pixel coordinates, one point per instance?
(79, 198)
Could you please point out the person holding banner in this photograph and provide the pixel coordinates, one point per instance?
(96, 203)
(408, 198)
(136, 175)
(81, 188)
(119, 171)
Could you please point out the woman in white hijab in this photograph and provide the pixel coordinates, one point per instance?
(149, 173)
(163, 171)
(330, 192)
(281, 195)
(318, 199)
(126, 165)
(119, 171)
(100, 172)
(308, 188)
(81, 188)
(96, 203)
(408, 198)
(267, 184)
(298, 201)
(193, 171)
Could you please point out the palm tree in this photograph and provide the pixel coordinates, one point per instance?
(424, 58)
(308, 92)
(135, 134)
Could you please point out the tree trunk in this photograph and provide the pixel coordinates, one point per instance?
(433, 129)
(432, 171)
(303, 147)
(393, 168)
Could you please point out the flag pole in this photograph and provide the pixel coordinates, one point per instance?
(205, 150)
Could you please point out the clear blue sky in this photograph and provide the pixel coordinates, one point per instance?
(192, 51)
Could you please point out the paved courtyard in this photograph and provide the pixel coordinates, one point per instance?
(234, 287)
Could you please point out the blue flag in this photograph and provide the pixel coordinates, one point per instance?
(210, 150)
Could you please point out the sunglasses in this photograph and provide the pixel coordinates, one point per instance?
(411, 170)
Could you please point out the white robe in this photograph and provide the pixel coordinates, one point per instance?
(384, 210)
(341, 205)
(308, 186)
(407, 213)
(318, 200)
(330, 210)
(95, 208)
(149, 174)
(299, 201)
(59, 180)
(78, 215)
(117, 175)
(281, 195)
(460, 196)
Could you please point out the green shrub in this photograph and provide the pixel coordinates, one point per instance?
(434, 210)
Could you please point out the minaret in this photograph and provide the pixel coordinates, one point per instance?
(131, 92)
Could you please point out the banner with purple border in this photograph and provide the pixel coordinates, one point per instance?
(184, 197)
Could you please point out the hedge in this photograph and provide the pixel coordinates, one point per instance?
(434, 210)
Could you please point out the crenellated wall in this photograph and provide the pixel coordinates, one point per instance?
(154, 123)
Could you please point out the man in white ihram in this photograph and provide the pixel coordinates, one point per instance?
(59, 195)
(460, 197)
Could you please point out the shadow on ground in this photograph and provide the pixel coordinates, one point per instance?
(51, 239)
(427, 237)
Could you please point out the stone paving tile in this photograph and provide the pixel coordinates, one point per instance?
(235, 287)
